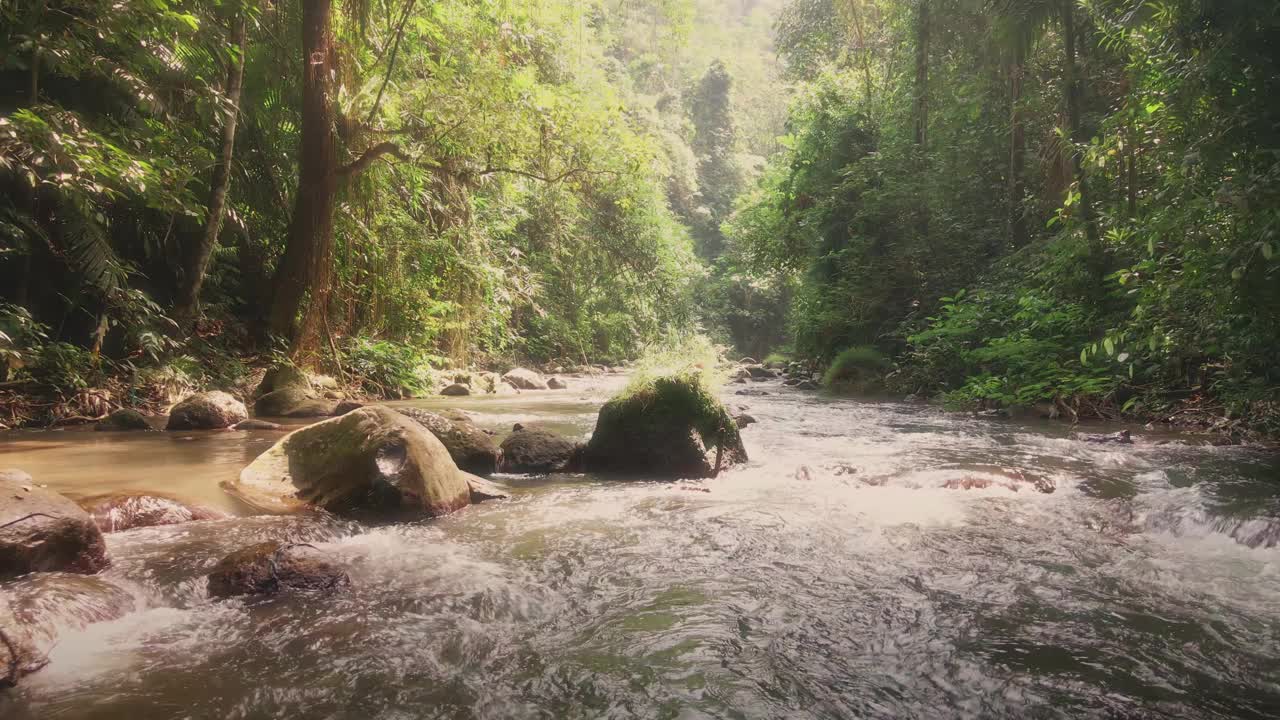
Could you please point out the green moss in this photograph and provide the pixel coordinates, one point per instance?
(777, 357)
(858, 369)
(683, 395)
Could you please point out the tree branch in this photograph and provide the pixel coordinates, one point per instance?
(364, 161)
(550, 180)
(391, 62)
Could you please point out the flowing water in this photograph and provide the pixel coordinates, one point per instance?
(846, 572)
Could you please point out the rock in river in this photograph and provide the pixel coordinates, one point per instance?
(531, 450)
(292, 402)
(115, 513)
(273, 566)
(207, 411)
(36, 609)
(281, 377)
(525, 379)
(456, 390)
(470, 447)
(43, 531)
(370, 462)
(123, 420)
(672, 427)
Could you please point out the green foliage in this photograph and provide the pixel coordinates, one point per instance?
(679, 395)
(856, 369)
(388, 369)
(692, 357)
(1149, 275)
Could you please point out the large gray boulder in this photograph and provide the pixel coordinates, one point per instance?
(672, 427)
(533, 450)
(371, 462)
(525, 379)
(472, 449)
(271, 567)
(207, 411)
(42, 531)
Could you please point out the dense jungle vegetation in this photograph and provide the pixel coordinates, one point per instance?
(996, 202)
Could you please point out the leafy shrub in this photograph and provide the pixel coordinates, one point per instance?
(689, 356)
(857, 369)
(388, 369)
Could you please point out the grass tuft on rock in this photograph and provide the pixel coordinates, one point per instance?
(857, 369)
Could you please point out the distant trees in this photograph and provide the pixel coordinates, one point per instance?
(1090, 236)
(714, 144)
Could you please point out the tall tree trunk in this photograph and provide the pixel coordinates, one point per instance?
(922, 74)
(197, 256)
(1073, 98)
(304, 268)
(1018, 233)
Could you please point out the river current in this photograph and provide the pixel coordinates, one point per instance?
(873, 560)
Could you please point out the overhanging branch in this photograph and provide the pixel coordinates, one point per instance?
(364, 161)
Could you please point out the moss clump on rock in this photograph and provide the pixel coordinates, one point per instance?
(669, 426)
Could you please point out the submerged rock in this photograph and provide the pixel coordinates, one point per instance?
(1124, 437)
(525, 379)
(806, 385)
(207, 411)
(482, 489)
(123, 420)
(370, 462)
(471, 448)
(19, 653)
(35, 610)
(557, 384)
(672, 427)
(253, 424)
(532, 450)
(271, 567)
(116, 513)
(42, 531)
(744, 420)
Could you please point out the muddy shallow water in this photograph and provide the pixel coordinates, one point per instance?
(837, 575)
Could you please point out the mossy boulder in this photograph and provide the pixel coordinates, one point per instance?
(667, 427)
(293, 402)
(207, 411)
(124, 420)
(272, 567)
(456, 390)
(533, 450)
(471, 448)
(372, 462)
(42, 531)
(281, 377)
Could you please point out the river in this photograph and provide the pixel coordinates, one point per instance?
(835, 576)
